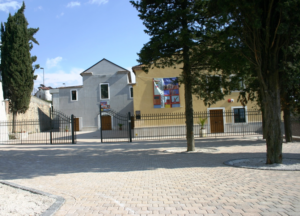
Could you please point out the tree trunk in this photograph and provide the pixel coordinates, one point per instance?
(187, 74)
(189, 114)
(264, 129)
(287, 124)
(14, 122)
(272, 110)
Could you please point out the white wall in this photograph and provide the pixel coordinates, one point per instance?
(44, 94)
(3, 129)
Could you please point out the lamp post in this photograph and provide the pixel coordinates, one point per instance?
(43, 76)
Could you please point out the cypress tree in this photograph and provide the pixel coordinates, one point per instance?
(16, 65)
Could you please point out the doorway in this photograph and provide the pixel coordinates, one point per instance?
(106, 122)
(216, 121)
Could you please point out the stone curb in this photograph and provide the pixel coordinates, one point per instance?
(52, 209)
(227, 163)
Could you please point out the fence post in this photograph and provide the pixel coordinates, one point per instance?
(73, 128)
(129, 126)
(101, 124)
(51, 116)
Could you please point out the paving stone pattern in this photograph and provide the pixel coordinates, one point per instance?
(144, 179)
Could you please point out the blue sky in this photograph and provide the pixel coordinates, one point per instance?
(74, 35)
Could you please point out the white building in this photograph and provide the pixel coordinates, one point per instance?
(44, 93)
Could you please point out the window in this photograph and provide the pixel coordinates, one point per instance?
(238, 84)
(104, 91)
(137, 114)
(130, 92)
(239, 115)
(166, 92)
(74, 95)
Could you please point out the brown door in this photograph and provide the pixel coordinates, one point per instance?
(106, 122)
(216, 121)
(76, 124)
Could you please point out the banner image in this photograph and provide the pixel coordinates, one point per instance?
(105, 106)
(166, 92)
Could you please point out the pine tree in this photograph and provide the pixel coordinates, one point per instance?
(16, 65)
(172, 26)
(255, 33)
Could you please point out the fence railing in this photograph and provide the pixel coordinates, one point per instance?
(173, 125)
(54, 129)
(216, 123)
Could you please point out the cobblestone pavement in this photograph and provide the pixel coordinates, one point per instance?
(143, 178)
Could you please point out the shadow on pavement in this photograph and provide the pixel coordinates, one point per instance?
(19, 162)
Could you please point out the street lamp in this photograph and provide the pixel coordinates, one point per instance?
(43, 76)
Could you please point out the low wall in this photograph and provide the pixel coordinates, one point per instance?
(35, 119)
(180, 130)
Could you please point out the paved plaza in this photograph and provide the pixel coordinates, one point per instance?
(148, 178)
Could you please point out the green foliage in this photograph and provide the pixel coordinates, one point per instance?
(236, 36)
(290, 78)
(256, 41)
(201, 122)
(173, 27)
(17, 72)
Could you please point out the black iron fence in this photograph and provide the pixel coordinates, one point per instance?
(55, 128)
(115, 126)
(215, 123)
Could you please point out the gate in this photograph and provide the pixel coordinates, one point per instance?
(63, 128)
(50, 128)
(114, 127)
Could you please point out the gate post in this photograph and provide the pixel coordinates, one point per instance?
(100, 124)
(51, 116)
(129, 126)
(73, 129)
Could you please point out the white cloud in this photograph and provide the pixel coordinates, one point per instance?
(60, 15)
(99, 2)
(38, 8)
(5, 6)
(73, 4)
(59, 77)
(50, 63)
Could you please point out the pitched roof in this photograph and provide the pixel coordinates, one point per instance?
(45, 88)
(101, 61)
(137, 67)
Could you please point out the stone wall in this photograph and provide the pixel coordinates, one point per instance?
(35, 119)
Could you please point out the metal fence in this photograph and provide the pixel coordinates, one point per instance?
(115, 126)
(216, 124)
(56, 128)
(121, 127)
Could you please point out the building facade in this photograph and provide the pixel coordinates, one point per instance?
(105, 83)
(44, 93)
(158, 92)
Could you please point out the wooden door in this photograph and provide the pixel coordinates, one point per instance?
(76, 124)
(216, 121)
(106, 122)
